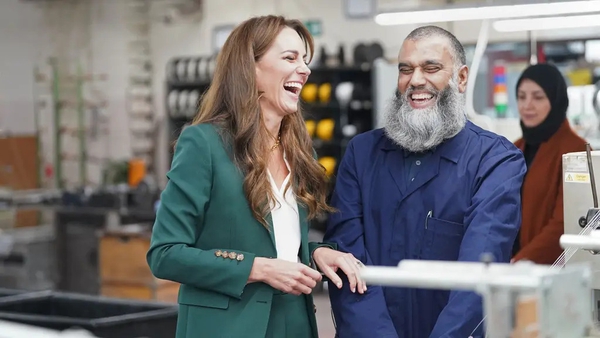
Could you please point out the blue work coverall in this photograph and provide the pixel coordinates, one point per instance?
(464, 200)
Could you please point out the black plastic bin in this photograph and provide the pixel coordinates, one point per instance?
(103, 317)
(10, 292)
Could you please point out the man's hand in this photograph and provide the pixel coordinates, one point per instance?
(329, 261)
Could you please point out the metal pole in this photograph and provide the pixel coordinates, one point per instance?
(581, 242)
(57, 123)
(391, 276)
(81, 132)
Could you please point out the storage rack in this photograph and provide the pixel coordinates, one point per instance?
(349, 116)
(140, 105)
(188, 77)
(340, 109)
(344, 98)
(67, 110)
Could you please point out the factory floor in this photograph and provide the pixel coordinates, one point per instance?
(324, 320)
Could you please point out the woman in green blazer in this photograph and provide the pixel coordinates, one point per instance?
(232, 227)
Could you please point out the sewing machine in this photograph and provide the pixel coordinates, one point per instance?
(581, 215)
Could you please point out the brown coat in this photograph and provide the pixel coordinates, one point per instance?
(542, 197)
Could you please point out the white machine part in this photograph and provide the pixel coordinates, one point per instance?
(16, 330)
(580, 216)
(589, 242)
(520, 300)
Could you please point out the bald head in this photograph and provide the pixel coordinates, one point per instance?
(456, 48)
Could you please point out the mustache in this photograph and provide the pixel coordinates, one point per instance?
(413, 89)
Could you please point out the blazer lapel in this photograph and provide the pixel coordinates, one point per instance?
(269, 219)
(304, 228)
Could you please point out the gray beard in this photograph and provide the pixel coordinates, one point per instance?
(419, 130)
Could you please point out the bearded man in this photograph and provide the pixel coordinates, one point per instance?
(430, 185)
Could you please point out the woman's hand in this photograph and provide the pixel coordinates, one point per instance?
(289, 277)
(329, 261)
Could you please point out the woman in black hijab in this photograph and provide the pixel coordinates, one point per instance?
(547, 135)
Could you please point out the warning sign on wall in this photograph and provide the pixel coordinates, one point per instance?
(577, 177)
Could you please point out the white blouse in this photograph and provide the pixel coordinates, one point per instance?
(286, 221)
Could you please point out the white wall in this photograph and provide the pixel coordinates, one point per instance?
(85, 33)
(25, 40)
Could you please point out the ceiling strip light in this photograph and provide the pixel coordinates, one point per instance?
(487, 12)
(536, 24)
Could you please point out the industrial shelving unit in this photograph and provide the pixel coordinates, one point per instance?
(140, 105)
(63, 128)
(338, 105)
(340, 109)
(187, 80)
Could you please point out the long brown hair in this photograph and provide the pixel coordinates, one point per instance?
(232, 104)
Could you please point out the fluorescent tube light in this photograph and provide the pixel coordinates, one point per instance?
(487, 12)
(536, 24)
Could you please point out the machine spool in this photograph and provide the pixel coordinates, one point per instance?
(325, 92)
(329, 164)
(325, 129)
(309, 92)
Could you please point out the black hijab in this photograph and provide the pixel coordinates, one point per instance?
(553, 83)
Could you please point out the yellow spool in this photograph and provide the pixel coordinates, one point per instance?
(325, 129)
(310, 127)
(325, 92)
(328, 163)
(309, 92)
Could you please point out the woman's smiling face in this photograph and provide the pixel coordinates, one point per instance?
(533, 104)
(281, 73)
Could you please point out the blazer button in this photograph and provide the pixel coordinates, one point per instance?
(232, 255)
(315, 308)
(218, 253)
(240, 257)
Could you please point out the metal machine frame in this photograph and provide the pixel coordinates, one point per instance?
(581, 216)
(520, 300)
(13, 329)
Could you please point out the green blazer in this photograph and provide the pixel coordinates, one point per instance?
(206, 238)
